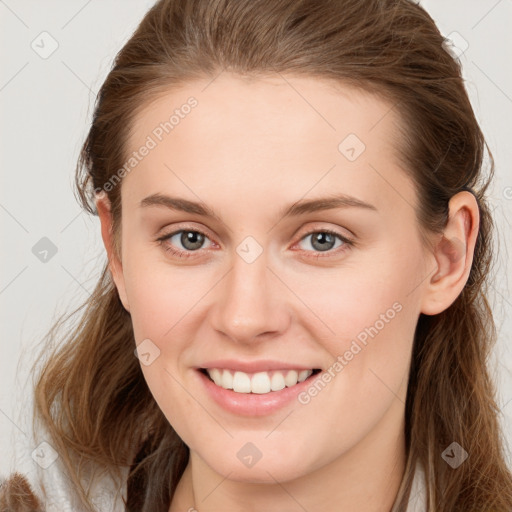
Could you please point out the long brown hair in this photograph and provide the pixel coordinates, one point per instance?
(91, 395)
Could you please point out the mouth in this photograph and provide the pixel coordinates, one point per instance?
(266, 382)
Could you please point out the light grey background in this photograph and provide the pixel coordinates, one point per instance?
(46, 104)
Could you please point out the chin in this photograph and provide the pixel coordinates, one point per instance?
(262, 472)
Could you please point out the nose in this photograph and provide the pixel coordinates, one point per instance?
(251, 304)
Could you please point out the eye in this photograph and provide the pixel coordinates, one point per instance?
(191, 240)
(324, 240)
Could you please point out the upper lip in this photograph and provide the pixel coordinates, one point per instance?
(255, 366)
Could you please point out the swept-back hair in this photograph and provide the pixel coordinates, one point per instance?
(91, 394)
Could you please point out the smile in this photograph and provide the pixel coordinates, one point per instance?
(260, 382)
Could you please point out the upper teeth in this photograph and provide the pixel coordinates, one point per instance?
(261, 382)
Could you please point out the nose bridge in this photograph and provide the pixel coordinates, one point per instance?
(248, 306)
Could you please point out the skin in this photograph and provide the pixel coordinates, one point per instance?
(250, 148)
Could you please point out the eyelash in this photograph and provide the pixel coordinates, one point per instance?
(347, 243)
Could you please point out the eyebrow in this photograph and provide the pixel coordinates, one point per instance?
(298, 208)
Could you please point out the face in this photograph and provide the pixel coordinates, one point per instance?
(256, 287)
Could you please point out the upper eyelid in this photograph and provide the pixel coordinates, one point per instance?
(173, 232)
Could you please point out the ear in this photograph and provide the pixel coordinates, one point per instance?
(115, 264)
(453, 254)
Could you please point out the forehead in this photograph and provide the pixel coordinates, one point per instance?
(270, 134)
(294, 105)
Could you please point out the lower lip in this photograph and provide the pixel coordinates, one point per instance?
(254, 404)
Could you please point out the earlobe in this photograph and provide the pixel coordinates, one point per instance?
(453, 254)
(115, 264)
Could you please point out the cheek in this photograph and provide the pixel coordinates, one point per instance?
(369, 315)
(159, 295)
(371, 294)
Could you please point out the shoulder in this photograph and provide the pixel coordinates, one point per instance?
(418, 496)
(16, 494)
(38, 480)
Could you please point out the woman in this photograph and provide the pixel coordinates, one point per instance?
(260, 368)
